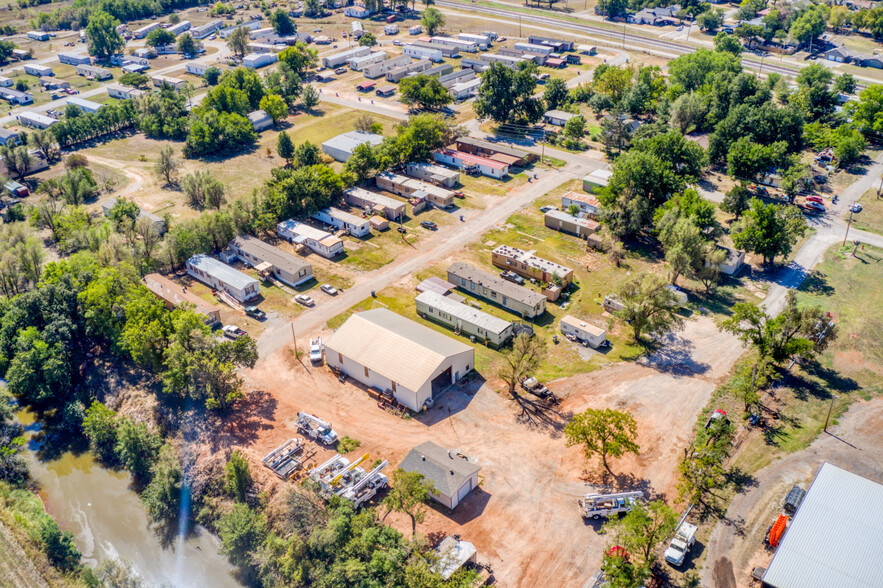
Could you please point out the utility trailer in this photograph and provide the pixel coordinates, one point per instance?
(315, 428)
(596, 506)
(284, 459)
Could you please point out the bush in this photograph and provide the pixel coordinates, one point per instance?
(59, 545)
(162, 497)
(346, 445)
(242, 530)
(237, 477)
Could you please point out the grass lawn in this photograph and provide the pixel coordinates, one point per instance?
(871, 217)
(848, 287)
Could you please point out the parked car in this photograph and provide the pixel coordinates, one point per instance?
(534, 386)
(547, 208)
(328, 289)
(811, 206)
(340, 70)
(815, 199)
(305, 300)
(429, 225)
(255, 312)
(512, 277)
(855, 207)
(233, 332)
(316, 350)
(397, 43)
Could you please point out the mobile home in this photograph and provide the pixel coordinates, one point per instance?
(220, 276)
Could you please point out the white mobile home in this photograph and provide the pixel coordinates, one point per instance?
(395, 75)
(339, 59)
(464, 90)
(411, 188)
(587, 204)
(376, 70)
(15, 96)
(355, 225)
(342, 146)
(38, 70)
(35, 119)
(373, 202)
(220, 276)
(179, 28)
(360, 63)
(477, 39)
(417, 52)
(206, 29)
(596, 180)
(74, 59)
(289, 268)
(85, 105)
(197, 69)
(93, 72)
(531, 48)
(434, 174)
(464, 319)
(145, 30)
(467, 46)
(316, 240)
(38, 35)
(123, 92)
(583, 331)
(386, 351)
(259, 60)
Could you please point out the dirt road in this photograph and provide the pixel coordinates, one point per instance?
(854, 444)
(524, 518)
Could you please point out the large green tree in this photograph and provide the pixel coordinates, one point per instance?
(650, 306)
(299, 57)
(409, 492)
(507, 96)
(102, 36)
(770, 230)
(642, 529)
(424, 92)
(603, 433)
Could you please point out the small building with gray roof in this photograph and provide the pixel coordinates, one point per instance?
(220, 276)
(451, 473)
(342, 146)
(514, 298)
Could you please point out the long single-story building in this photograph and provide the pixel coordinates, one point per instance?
(587, 204)
(51, 83)
(35, 119)
(527, 264)
(17, 97)
(74, 58)
(495, 151)
(515, 298)
(342, 146)
(288, 268)
(339, 59)
(207, 29)
(38, 70)
(259, 60)
(175, 295)
(387, 351)
(583, 331)
(558, 118)
(143, 31)
(564, 222)
(453, 476)
(123, 92)
(464, 319)
(159, 81)
(395, 75)
(84, 105)
(434, 174)
(374, 202)
(411, 188)
(596, 180)
(466, 162)
(447, 51)
(423, 53)
(221, 276)
(93, 72)
(355, 225)
(360, 63)
(376, 70)
(316, 240)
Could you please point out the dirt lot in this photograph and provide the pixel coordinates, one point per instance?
(529, 481)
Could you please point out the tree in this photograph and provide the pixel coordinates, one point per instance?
(408, 493)
(809, 25)
(284, 147)
(619, 572)
(525, 356)
(643, 528)
(603, 432)
(737, 200)
(299, 57)
(312, 8)
(687, 112)
(424, 91)
(711, 20)
(238, 41)
(282, 23)
(709, 271)
(432, 20)
(575, 128)
(162, 496)
(59, 545)
(237, 477)
(814, 94)
(187, 45)
(44, 142)
(203, 190)
(685, 246)
(242, 530)
(275, 106)
(159, 37)
(845, 83)
(770, 230)
(134, 79)
(137, 447)
(849, 145)
(309, 96)
(211, 75)
(367, 40)
(6, 49)
(727, 43)
(507, 95)
(77, 185)
(363, 162)
(115, 573)
(16, 159)
(307, 154)
(101, 35)
(555, 93)
(650, 306)
(702, 471)
(748, 160)
(366, 123)
(167, 166)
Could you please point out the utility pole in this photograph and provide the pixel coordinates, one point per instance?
(830, 408)
(293, 338)
(623, 32)
(519, 25)
(848, 222)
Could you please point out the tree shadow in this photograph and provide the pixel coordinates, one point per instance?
(817, 283)
(673, 355)
(542, 414)
(254, 413)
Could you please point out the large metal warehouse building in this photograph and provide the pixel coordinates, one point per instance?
(387, 351)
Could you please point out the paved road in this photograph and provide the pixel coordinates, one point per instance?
(449, 240)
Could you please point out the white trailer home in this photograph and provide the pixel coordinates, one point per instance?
(373, 202)
(74, 58)
(376, 70)
(35, 119)
(286, 267)
(467, 46)
(316, 240)
(259, 60)
(434, 174)
(464, 319)
(221, 276)
(145, 30)
(360, 63)
(339, 59)
(93, 72)
(418, 52)
(38, 70)
(355, 225)
(583, 331)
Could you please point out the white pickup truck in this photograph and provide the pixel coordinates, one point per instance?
(680, 546)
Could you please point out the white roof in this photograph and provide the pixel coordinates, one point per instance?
(452, 555)
(583, 325)
(37, 117)
(599, 176)
(395, 347)
(302, 229)
(836, 536)
(344, 216)
(222, 271)
(83, 103)
(376, 198)
(349, 141)
(465, 313)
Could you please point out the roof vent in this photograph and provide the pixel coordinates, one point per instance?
(423, 457)
(452, 472)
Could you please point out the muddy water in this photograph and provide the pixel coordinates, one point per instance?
(108, 520)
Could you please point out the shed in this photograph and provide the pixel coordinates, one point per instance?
(452, 474)
(733, 262)
(260, 120)
(378, 223)
(386, 91)
(342, 146)
(453, 554)
(596, 180)
(583, 331)
(387, 351)
(558, 118)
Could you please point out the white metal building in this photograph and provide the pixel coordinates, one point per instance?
(453, 476)
(206, 29)
(221, 276)
(74, 58)
(356, 225)
(387, 351)
(342, 146)
(436, 174)
(835, 537)
(85, 105)
(464, 319)
(38, 70)
(583, 331)
(340, 58)
(423, 53)
(179, 28)
(123, 92)
(260, 120)
(35, 119)
(467, 46)
(316, 240)
(259, 60)
(596, 180)
(376, 70)
(373, 202)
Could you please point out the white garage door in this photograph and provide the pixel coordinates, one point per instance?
(464, 490)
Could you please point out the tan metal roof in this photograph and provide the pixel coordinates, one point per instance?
(175, 294)
(393, 346)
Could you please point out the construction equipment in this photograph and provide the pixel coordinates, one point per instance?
(315, 428)
(365, 486)
(283, 460)
(597, 506)
(777, 530)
